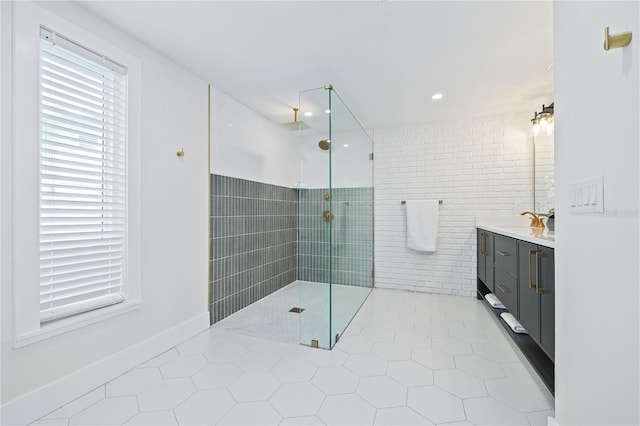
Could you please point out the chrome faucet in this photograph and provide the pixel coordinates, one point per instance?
(536, 221)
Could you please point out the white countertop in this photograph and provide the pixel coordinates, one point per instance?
(517, 227)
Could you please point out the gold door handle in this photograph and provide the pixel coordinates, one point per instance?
(539, 289)
(328, 215)
(503, 253)
(483, 244)
(502, 289)
(531, 283)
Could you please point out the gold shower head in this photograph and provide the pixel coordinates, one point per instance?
(295, 125)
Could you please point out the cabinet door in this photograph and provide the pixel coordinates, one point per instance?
(547, 301)
(507, 290)
(485, 258)
(482, 266)
(489, 250)
(505, 254)
(529, 312)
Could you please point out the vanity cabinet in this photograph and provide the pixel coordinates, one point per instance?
(520, 273)
(505, 272)
(536, 294)
(485, 258)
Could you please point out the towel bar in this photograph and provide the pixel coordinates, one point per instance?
(403, 202)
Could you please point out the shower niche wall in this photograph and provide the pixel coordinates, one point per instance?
(335, 217)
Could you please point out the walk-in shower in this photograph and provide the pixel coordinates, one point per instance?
(291, 259)
(335, 217)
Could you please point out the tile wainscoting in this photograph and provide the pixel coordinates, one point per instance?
(351, 240)
(253, 250)
(264, 237)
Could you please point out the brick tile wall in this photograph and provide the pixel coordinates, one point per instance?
(480, 166)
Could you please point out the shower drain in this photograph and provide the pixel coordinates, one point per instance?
(296, 310)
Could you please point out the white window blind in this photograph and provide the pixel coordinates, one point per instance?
(83, 178)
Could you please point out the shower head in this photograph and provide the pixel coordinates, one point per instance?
(295, 125)
(324, 144)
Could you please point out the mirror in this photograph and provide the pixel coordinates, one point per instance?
(544, 186)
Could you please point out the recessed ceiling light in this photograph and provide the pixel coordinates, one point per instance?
(308, 114)
(346, 145)
(327, 111)
(436, 96)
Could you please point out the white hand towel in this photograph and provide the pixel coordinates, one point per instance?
(494, 301)
(422, 225)
(513, 323)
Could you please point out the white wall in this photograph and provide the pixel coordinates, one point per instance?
(173, 233)
(478, 167)
(246, 145)
(597, 277)
(350, 165)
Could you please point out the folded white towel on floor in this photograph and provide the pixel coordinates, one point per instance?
(422, 225)
(513, 323)
(494, 301)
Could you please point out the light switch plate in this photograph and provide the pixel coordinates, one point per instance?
(587, 195)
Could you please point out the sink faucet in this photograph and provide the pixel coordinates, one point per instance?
(536, 221)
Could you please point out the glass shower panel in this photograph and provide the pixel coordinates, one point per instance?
(335, 240)
(313, 230)
(351, 239)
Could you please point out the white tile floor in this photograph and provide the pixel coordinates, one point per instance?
(406, 359)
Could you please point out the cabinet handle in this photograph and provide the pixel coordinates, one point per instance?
(503, 253)
(539, 290)
(531, 283)
(502, 289)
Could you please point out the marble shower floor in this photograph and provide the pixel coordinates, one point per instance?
(406, 358)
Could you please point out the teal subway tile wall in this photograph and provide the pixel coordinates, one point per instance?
(253, 242)
(351, 245)
(264, 237)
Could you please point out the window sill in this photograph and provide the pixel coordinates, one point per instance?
(65, 325)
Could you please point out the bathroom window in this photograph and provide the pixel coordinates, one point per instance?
(82, 178)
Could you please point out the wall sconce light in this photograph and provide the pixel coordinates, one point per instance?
(543, 121)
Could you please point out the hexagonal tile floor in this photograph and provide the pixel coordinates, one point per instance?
(402, 361)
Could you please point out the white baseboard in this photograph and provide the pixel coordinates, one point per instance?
(30, 407)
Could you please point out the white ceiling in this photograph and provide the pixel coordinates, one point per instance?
(384, 58)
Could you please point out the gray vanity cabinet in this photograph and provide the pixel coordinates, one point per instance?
(536, 294)
(505, 272)
(485, 258)
(521, 275)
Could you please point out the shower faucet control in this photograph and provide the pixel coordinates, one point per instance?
(328, 215)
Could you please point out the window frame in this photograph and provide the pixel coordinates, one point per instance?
(83, 178)
(25, 75)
